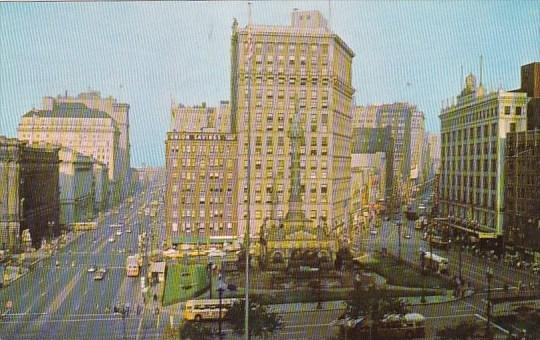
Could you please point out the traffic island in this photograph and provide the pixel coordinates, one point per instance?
(183, 282)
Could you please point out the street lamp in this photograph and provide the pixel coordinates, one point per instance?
(319, 257)
(399, 240)
(221, 289)
(489, 275)
(209, 267)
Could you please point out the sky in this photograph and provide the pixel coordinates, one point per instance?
(150, 53)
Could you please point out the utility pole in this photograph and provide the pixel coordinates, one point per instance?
(247, 231)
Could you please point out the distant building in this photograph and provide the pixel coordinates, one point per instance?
(417, 147)
(473, 141)
(101, 186)
(434, 147)
(530, 84)
(522, 200)
(90, 132)
(292, 66)
(201, 177)
(77, 187)
(397, 116)
(29, 196)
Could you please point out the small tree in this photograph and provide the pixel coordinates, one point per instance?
(463, 331)
(195, 331)
(261, 321)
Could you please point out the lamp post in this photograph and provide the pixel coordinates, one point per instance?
(221, 289)
(489, 275)
(399, 240)
(319, 257)
(209, 267)
(459, 252)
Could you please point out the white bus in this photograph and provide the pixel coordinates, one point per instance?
(436, 263)
(133, 265)
(206, 309)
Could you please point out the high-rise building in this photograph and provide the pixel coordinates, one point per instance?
(91, 132)
(276, 69)
(473, 138)
(397, 116)
(29, 196)
(201, 176)
(522, 201)
(119, 113)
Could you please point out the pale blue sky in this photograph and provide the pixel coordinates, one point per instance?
(161, 49)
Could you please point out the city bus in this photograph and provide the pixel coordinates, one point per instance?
(132, 266)
(436, 263)
(206, 309)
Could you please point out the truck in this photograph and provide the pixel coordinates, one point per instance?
(392, 326)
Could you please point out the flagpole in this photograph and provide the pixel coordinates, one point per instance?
(247, 232)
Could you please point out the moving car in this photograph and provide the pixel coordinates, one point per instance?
(407, 236)
(91, 269)
(373, 232)
(111, 239)
(118, 233)
(100, 274)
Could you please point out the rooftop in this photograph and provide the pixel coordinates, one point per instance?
(68, 110)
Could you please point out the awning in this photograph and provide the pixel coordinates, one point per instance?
(478, 233)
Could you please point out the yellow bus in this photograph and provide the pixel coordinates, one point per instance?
(132, 266)
(206, 309)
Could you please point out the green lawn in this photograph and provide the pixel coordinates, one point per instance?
(184, 282)
(400, 274)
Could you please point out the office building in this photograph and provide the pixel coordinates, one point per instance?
(77, 187)
(29, 196)
(397, 116)
(522, 200)
(277, 70)
(473, 141)
(201, 177)
(88, 131)
(530, 84)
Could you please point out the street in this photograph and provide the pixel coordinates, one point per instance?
(64, 301)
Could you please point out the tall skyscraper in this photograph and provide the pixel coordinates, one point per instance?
(275, 69)
(417, 145)
(473, 137)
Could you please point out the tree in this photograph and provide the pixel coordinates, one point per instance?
(374, 302)
(463, 331)
(343, 257)
(261, 321)
(195, 331)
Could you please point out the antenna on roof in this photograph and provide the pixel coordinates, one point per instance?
(481, 68)
(249, 14)
(329, 14)
(461, 79)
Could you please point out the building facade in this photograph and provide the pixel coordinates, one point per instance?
(434, 153)
(397, 116)
(201, 177)
(77, 187)
(417, 146)
(29, 193)
(88, 131)
(530, 84)
(276, 69)
(473, 138)
(101, 186)
(522, 200)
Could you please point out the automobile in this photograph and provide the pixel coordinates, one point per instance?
(128, 231)
(119, 233)
(99, 276)
(111, 239)
(373, 232)
(91, 269)
(407, 236)
(57, 263)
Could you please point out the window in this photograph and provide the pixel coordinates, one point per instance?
(518, 110)
(507, 110)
